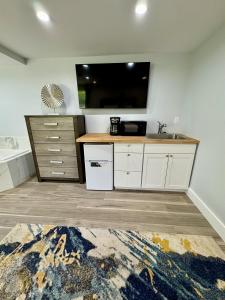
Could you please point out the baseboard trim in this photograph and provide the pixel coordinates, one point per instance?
(214, 221)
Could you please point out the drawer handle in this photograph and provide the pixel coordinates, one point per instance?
(53, 137)
(58, 173)
(56, 162)
(128, 173)
(128, 154)
(50, 124)
(54, 150)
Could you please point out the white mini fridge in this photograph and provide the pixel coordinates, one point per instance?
(99, 166)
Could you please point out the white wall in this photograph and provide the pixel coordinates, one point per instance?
(20, 88)
(204, 118)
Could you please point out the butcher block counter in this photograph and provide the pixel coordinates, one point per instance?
(107, 138)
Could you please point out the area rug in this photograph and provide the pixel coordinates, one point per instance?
(43, 262)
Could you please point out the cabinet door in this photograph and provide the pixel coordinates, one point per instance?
(179, 171)
(128, 162)
(154, 170)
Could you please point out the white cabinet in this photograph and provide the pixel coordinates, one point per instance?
(167, 166)
(154, 171)
(123, 179)
(167, 171)
(160, 167)
(179, 171)
(170, 148)
(128, 160)
(131, 148)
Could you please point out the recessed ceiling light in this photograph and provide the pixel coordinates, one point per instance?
(94, 82)
(144, 77)
(43, 16)
(87, 77)
(141, 8)
(85, 66)
(130, 64)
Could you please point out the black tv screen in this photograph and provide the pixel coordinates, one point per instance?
(113, 85)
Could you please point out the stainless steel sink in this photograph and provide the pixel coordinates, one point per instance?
(165, 136)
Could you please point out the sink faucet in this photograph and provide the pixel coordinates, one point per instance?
(161, 126)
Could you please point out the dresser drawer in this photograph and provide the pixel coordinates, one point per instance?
(54, 172)
(56, 149)
(53, 136)
(127, 179)
(135, 148)
(57, 161)
(128, 161)
(51, 123)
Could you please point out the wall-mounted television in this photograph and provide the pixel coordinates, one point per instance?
(113, 85)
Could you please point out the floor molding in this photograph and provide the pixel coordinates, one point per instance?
(215, 222)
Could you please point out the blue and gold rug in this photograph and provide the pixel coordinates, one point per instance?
(43, 262)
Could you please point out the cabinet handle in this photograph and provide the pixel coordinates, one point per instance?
(167, 155)
(171, 155)
(128, 154)
(58, 173)
(54, 150)
(53, 137)
(50, 124)
(128, 145)
(56, 162)
(128, 173)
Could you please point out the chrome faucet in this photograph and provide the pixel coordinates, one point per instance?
(161, 126)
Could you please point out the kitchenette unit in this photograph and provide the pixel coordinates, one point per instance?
(150, 163)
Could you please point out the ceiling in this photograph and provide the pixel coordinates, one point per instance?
(106, 27)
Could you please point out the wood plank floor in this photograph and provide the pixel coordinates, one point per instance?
(72, 204)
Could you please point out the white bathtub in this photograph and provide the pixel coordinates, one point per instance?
(8, 154)
(16, 163)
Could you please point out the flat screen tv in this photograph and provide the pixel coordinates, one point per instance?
(113, 85)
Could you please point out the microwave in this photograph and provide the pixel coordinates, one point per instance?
(133, 128)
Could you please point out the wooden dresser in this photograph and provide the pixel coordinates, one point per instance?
(56, 154)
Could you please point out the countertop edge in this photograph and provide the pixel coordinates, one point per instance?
(107, 138)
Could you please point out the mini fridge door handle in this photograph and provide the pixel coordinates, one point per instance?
(95, 164)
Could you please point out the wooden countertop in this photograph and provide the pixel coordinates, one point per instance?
(107, 138)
